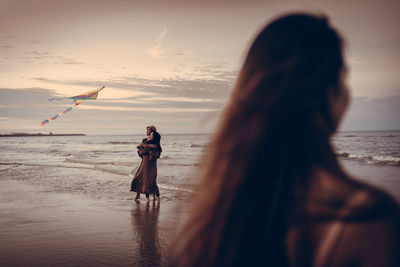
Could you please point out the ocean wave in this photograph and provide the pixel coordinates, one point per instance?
(88, 162)
(10, 163)
(386, 159)
(196, 145)
(93, 168)
(121, 143)
(179, 164)
(50, 150)
(382, 159)
(4, 167)
(174, 188)
(111, 171)
(43, 165)
(98, 163)
(118, 151)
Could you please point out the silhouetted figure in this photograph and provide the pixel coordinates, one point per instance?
(272, 192)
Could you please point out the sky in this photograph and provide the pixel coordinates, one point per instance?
(172, 63)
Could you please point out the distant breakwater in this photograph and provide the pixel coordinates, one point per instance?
(37, 135)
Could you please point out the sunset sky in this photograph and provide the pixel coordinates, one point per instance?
(171, 63)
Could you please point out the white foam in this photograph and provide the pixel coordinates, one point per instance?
(174, 188)
(386, 158)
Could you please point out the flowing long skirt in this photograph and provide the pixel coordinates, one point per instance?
(145, 180)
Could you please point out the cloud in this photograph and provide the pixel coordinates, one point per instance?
(207, 82)
(148, 103)
(171, 113)
(33, 101)
(35, 42)
(156, 51)
(47, 58)
(163, 99)
(25, 96)
(180, 99)
(5, 50)
(104, 115)
(181, 53)
(7, 46)
(176, 104)
(146, 109)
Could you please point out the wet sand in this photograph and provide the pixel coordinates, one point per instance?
(39, 228)
(42, 227)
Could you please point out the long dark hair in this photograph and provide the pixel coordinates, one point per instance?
(273, 133)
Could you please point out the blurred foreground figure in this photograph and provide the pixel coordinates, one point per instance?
(273, 192)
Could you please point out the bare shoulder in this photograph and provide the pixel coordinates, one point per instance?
(368, 217)
(365, 202)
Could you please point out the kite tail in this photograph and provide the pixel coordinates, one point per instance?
(59, 114)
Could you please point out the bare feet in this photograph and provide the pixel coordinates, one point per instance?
(137, 197)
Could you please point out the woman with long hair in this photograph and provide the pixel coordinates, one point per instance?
(272, 192)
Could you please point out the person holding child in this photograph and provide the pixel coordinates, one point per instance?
(145, 179)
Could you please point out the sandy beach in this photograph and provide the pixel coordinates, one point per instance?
(40, 228)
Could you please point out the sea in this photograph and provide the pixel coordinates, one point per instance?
(42, 176)
(101, 166)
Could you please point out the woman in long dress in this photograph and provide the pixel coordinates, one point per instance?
(145, 179)
(273, 192)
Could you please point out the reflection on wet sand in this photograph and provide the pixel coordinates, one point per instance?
(145, 233)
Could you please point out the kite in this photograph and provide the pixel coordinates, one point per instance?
(92, 95)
